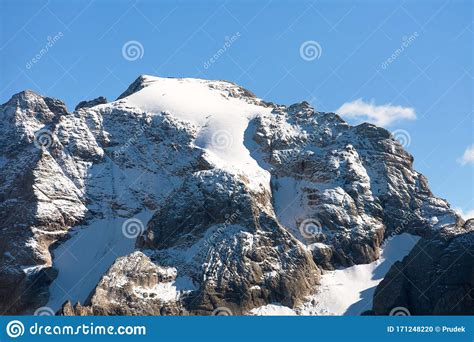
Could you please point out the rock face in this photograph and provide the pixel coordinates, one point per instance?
(68, 309)
(134, 285)
(38, 202)
(349, 186)
(436, 278)
(264, 263)
(234, 202)
(88, 104)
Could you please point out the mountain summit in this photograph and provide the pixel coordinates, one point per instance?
(190, 196)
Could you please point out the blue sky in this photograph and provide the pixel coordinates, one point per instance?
(405, 65)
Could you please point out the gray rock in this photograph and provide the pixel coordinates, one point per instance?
(38, 203)
(68, 309)
(91, 103)
(356, 184)
(132, 286)
(243, 258)
(436, 278)
(136, 85)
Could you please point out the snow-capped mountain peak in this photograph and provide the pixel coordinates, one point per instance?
(187, 195)
(217, 111)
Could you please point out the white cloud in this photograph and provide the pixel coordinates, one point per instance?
(468, 156)
(383, 115)
(466, 215)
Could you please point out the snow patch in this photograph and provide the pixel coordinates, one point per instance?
(272, 310)
(169, 291)
(163, 291)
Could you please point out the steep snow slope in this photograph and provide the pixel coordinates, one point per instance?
(86, 256)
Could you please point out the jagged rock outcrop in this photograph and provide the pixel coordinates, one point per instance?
(241, 257)
(436, 278)
(91, 103)
(38, 204)
(68, 309)
(354, 185)
(137, 85)
(134, 285)
(233, 201)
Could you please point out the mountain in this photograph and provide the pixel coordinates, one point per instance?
(189, 196)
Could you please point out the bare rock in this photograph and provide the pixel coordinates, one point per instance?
(436, 278)
(91, 103)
